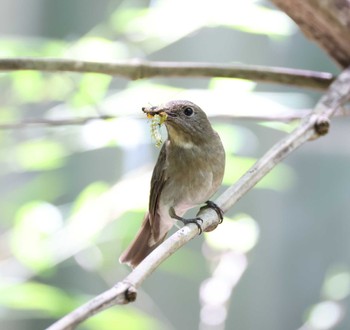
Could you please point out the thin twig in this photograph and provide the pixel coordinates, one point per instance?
(286, 116)
(314, 125)
(138, 69)
(52, 122)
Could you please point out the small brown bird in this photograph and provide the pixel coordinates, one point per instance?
(188, 172)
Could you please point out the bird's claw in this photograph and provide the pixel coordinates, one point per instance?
(195, 221)
(216, 208)
(186, 221)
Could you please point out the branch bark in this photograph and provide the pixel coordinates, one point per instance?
(142, 69)
(313, 126)
(327, 22)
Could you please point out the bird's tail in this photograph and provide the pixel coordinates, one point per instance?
(142, 245)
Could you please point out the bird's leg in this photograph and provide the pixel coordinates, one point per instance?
(186, 221)
(217, 209)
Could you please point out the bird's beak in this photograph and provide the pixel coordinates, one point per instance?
(152, 111)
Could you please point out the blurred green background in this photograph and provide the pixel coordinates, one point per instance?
(73, 196)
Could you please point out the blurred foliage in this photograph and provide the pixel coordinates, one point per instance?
(48, 300)
(35, 221)
(39, 155)
(239, 234)
(123, 318)
(73, 197)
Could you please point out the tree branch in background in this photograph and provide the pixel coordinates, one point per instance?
(326, 22)
(142, 69)
(34, 123)
(313, 126)
(287, 115)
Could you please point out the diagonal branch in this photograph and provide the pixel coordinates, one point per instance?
(313, 126)
(138, 69)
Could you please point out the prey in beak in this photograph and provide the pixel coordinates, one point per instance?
(152, 112)
(158, 117)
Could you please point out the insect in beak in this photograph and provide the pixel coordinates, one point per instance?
(158, 118)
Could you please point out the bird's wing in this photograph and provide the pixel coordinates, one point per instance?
(157, 183)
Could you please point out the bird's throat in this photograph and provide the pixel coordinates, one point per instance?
(179, 138)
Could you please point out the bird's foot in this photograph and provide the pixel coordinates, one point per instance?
(216, 208)
(187, 221)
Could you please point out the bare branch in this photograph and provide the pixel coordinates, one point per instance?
(314, 125)
(283, 116)
(52, 122)
(327, 22)
(287, 115)
(143, 69)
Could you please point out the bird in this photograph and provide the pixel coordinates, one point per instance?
(189, 170)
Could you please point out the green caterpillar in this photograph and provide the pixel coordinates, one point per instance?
(155, 129)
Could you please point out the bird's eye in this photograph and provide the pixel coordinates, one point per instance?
(188, 111)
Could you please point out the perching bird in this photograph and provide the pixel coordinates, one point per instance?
(188, 172)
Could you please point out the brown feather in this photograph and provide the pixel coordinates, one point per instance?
(140, 247)
(148, 237)
(157, 183)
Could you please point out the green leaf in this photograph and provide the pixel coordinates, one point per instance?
(239, 234)
(229, 85)
(34, 223)
(231, 137)
(185, 256)
(153, 28)
(123, 318)
(54, 48)
(280, 178)
(121, 18)
(29, 86)
(90, 193)
(337, 283)
(253, 18)
(59, 86)
(35, 296)
(8, 114)
(93, 88)
(40, 155)
(284, 127)
(129, 223)
(98, 49)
